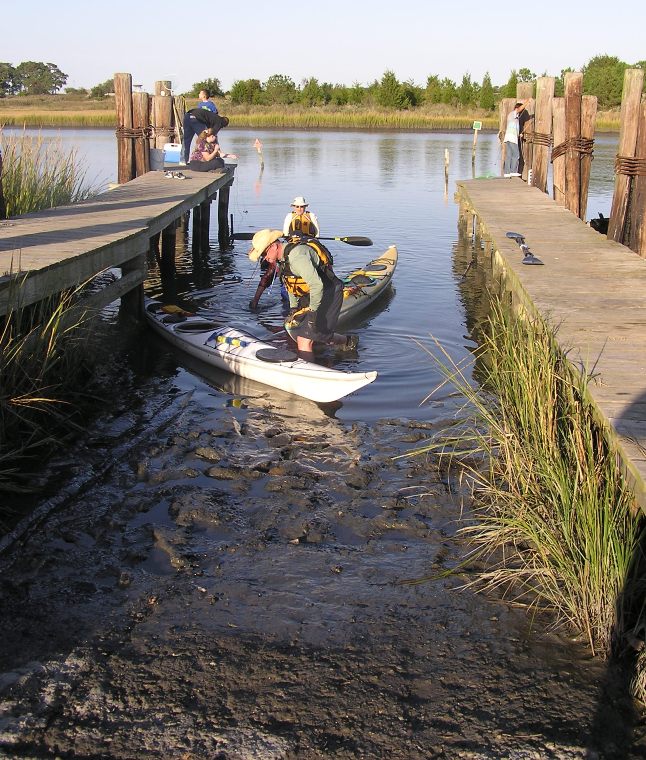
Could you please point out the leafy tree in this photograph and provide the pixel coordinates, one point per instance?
(448, 91)
(99, 91)
(390, 93)
(36, 78)
(413, 94)
(525, 75)
(356, 94)
(433, 92)
(465, 91)
(280, 89)
(312, 94)
(7, 80)
(603, 76)
(212, 86)
(509, 90)
(76, 91)
(246, 91)
(559, 83)
(487, 98)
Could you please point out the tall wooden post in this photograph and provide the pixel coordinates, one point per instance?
(558, 161)
(524, 91)
(140, 106)
(542, 131)
(588, 124)
(162, 117)
(630, 109)
(123, 107)
(637, 235)
(163, 87)
(223, 215)
(573, 89)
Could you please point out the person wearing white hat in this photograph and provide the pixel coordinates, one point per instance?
(315, 292)
(300, 221)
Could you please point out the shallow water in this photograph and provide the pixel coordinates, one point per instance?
(229, 574)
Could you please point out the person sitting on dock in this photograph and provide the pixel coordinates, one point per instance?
(195, 121)
(207, 155)
(315, 292)
(301, 221)
(511, 143)
(206, 102)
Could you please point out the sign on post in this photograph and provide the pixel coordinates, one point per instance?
(477, 125)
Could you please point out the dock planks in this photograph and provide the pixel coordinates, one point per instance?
(64, 246)
(591, 289)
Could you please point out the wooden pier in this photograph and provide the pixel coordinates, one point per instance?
(591, 289)
(50, 251)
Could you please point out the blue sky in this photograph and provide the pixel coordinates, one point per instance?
(335, 41)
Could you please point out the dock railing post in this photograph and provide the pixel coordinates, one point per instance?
(626, 154)
(542, 136)
(123, 107)
(140, 108)
(588, 124)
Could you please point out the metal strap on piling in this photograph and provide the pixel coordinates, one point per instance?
(582, 145)
(630, 166)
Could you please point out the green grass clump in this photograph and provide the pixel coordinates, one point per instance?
(37, 174)
(553, 511)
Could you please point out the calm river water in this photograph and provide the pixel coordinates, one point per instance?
(389, 186)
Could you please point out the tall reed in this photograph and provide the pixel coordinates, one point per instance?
(554, 515)
(38, 174)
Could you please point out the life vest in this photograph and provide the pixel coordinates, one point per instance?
(296, 285)
(303, 224)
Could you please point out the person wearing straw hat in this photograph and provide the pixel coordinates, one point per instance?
(315, 292)
(300, 221)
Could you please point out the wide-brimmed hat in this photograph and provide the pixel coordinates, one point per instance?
(261, 241)
(300, 201)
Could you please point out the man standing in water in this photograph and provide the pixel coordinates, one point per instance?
(315, 292)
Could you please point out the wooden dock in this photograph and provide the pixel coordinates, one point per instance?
(50, 251)
(590, 288)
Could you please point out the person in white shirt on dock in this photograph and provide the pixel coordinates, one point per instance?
(511, 143)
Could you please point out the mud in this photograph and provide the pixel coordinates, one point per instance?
(224, 576)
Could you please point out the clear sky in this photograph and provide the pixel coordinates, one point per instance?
(338, 41)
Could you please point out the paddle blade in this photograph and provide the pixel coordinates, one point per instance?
(243, 235)
(356, 240)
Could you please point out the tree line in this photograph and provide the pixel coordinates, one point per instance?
(603, 76)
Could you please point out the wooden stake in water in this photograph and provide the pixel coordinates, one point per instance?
(477, 126)
(258, 146)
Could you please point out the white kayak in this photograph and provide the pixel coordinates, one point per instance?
(238, 351)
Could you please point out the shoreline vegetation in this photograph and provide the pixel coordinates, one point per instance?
(55, 111)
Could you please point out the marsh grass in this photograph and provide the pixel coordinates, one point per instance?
(38, 174)
(43, 381)
(554, 517)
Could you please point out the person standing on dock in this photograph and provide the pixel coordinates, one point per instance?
(511, 142)
(206, 102)
(315, 292)
(195, 121)
(300, 221)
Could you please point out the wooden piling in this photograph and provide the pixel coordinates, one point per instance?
(573, 89)
(162, 119)
(205, 225)
(637, 233)
(123, 108)
(542, 136)
(140, 106)
(558, 162)
(163, 88)
(630, 111)
(223, 215)
(588, 124)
